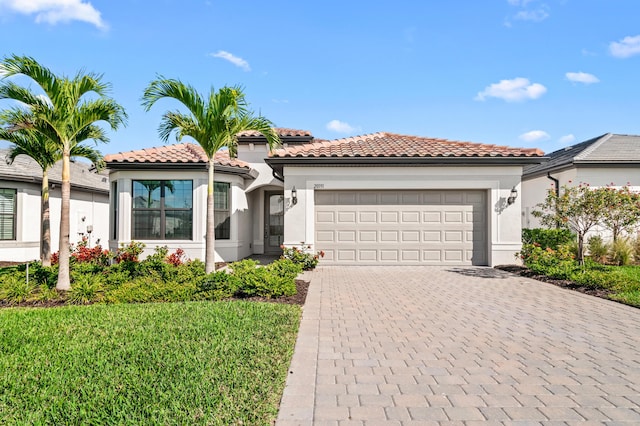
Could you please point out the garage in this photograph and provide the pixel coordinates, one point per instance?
(427, 227)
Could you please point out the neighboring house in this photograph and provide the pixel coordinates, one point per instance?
(381, 198)
(20, 201)
(610, 159)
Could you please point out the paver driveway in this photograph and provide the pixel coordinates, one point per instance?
(431, 345)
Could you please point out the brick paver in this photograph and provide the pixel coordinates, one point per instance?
(438, 345)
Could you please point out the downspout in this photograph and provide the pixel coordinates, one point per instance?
(557, 186)
(556, 182)
(277, 176)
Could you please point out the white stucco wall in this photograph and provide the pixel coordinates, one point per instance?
(504, 221)
(534, 190)
(237, 247)
(92, 206)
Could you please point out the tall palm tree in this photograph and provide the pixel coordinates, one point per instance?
(44, 153)
(65, 116)
(214, 123)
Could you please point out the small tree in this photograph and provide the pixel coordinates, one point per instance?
(578, 208)
(621, 211)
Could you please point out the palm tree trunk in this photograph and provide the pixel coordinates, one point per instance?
(45, 225)
(64, 282)
(210, 253)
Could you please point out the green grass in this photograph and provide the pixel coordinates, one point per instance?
(219, 363)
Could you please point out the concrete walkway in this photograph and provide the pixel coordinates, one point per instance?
(465, 346)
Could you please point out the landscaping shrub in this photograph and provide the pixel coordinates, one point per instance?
(151, 288)
(622, 251)
(46, 276)
(15, 288)
(598, 250)
(552, 238)
(307, 260)
(129, 252)
(555, 263)
(217, 285)
(273, 280)
(86, 289)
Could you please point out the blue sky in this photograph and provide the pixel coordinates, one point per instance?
(533, 73)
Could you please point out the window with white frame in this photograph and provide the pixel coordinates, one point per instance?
(8, 213)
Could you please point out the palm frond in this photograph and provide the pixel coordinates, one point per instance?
(171, 88)
(90, 154)
(26, 65)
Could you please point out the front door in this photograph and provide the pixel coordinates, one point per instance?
(274, 222)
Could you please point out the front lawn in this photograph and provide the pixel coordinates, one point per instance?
(217, 363)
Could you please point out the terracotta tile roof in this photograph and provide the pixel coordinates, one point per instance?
(282, 132)
(385, 144)
(178, 153)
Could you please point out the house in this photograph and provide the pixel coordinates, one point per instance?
(20, 205)
(381, 198)
(609, 159)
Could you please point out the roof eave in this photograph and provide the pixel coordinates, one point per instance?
(244, 172)
(279, 162)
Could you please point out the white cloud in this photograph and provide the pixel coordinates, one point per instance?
(628, 46)
(567, 139)
(537, 15)
(341, 127)
(582, 77)
(235, 60)
(55, 11)
(534, 136)
(516, 90)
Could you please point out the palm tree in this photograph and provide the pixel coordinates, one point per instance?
(44, 153)
(66, 117)
(213, 123)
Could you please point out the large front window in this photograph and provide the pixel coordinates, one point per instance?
(162, 210)
(7, 214)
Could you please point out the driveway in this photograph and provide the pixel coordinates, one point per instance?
(437, 345)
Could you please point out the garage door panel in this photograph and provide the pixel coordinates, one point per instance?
(402, 227)
(368, 217)
(410, 217)
(432, 217)
(368, 236)
(389, 237)
(347, 217)
(389, 217)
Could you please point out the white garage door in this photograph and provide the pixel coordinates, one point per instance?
(402, 227)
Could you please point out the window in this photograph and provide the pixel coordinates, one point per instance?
(222, 211)
(7, 214)
(114, 208)
(162, 210)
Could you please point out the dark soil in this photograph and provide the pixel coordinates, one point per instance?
(570, 285)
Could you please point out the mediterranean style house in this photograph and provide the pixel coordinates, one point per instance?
(20, 188)
(381, 198)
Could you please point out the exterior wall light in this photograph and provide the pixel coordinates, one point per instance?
(294, 196)
(512, 196)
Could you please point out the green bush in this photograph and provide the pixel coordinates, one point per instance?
(151, 288)
(15, 288)
(273, 280)
(44, 275)
(558, 263)
(307, 260)
(552, 238)
(217, 286)
(86, 289)
(80, 270)
(598, 250)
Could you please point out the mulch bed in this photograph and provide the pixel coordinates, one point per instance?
(570, 285)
